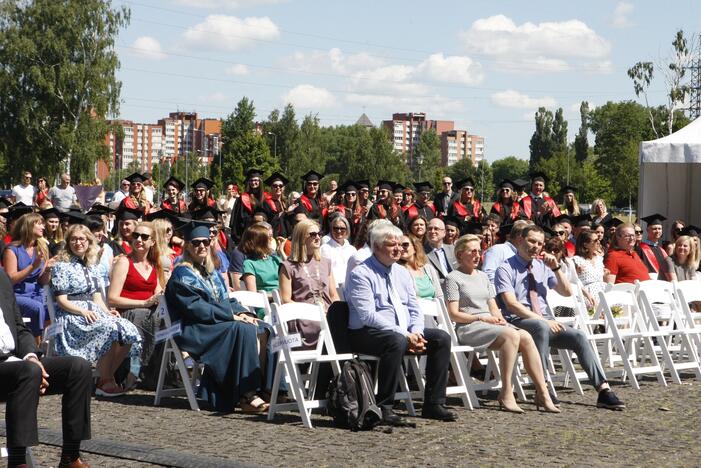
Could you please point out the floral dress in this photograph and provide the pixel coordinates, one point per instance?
(591, 275)
(79, 338)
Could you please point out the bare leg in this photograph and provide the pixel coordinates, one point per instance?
(507, 344)
(534, 368)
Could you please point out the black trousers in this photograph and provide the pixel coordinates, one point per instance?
(19, 387)
(391, 348)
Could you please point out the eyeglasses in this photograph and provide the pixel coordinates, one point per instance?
(198, 242)
(627, 236)
(27, 177)
(277, 186)
(314, 234)
(425, 194)
(313, 184)
(140, 235)
(340, 228)
(351, 194)
(78, 240)
(506, 190)
(406, 245)
(169, 230)
(560, 233)
(126, 183)
(469, 189)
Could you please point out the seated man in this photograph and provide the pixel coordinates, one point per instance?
(23, 377)
(385, 321)
(521, 284)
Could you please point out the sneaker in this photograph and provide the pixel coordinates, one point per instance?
(608, 399)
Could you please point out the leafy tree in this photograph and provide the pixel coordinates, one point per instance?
(281, 133)
(541, 144)
(559, 137)
(307, 152)
(482, 174)
(581, 141)
(58, 83)
(427, 158)
(243, 148)
(562, 169)
(509, 167)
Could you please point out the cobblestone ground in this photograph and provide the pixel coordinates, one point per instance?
(660, 427)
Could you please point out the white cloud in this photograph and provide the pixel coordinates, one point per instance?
(541, 47)
(148, 47)
(226, 4)
(309, 97)
(229, 33)
(215, 98)
(437, 106)
(511, 98)
(333, 61)
(451, 69)
(620, 17)
(237, 70)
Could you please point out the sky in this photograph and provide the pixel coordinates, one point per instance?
(487, 65)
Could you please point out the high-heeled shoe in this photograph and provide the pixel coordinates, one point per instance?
(509, 407)
(547, 405)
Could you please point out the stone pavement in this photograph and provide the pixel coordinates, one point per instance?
(660, 427)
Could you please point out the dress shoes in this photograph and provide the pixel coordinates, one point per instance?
(66, 462)
(390, 418)
(438, 412)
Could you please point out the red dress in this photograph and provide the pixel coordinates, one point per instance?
(136, 286)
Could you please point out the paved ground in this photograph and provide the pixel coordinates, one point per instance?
(660, 427)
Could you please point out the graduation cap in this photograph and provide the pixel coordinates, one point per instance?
(691, 230)
(520, 183)
(423, 186)
(507, 183)
(254, 172)
(50, 213)
(124, 213)
(549, 233)
(94, 223)
(612, 223)
(398, 188)
(569, 189)
(363, 184)
(195, 229)
(276, 176)
(565, 218)
(582, 220)
(505, 230)
(18, 210)
(135, 177)
(453, 221)
(207, 212)
(98, 209)
(654, 219)
(202, 182)
(539, 176)
(385, 185)
(164, 213)
(73, 217)
(473, 227)
(175, 182)
(468, 182)
(349, 186)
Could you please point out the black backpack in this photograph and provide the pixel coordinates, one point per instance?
(351, 401)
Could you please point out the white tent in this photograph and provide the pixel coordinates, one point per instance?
(670, 176)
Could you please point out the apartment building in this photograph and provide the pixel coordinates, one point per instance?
(458, 144)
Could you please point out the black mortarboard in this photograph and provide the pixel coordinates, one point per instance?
(253, 172)
(207, 212)
(74, 217)
(385, 185)
(654, 219)
(202, 182)
(18, 210)
(311, 176)
(348, 186)
(539, 175)
(175, 182)
(398, 188)
(50, 213)
(135, 177)
(423, 186)
(468, 182)
(507, 183)
(124, 213)
(549, 233)
(453, 221)
(569, 189)
(582, 220)
(505, 230)
(565, 218)
(363, 184)
(98, 209)
(276, 176)
(691, 230)
(520, 183)
(473, 227)
(612, 223)
(197, 229)
(94, 222)
(170, 215)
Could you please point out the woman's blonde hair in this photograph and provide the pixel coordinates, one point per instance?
(23, 233)
(300, 234)
(461, 243)
(189, 260)
(154, 254)
(596, 202)
(160, 226)
(420, 258)
(692, 261)
(91, 254)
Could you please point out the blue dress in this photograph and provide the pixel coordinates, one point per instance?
(28, 293)
(79, 338)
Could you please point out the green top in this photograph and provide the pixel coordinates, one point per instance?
(424, 287)
(265, 271)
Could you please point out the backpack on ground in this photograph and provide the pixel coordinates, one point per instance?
(351, 400)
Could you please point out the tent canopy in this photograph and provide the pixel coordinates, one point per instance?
(670, 175)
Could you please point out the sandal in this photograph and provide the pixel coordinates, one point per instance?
(108, 388)
(130, 382)
(253, 405)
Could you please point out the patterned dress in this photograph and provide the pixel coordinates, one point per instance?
(90, 341)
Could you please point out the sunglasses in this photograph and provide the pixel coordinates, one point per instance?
(560, 233)
(277, 186)
(638, 232)
(339, 229)
(198, 242)
(313, 184)
(140, 235)
(314, 234)
(351, 194)
(406, 245)
(469, 189)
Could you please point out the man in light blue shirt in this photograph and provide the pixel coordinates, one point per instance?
(499, 253)
(385, 320)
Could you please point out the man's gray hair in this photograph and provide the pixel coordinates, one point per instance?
(381, 232)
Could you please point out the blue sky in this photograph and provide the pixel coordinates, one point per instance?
(486, 65)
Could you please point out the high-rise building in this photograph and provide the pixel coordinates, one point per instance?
(458, 144)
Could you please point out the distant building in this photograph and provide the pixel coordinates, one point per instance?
(458, 144)
(364, 121)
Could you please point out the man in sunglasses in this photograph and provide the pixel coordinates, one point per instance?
(24, 192)
(310, 201)
(444, 199)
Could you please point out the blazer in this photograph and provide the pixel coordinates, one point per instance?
(24, 340)
(450, 257)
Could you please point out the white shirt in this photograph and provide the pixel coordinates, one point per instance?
(148, 191)
(7, 343)
(117, 198)
(339, 256)
(24, 194)
(356, 259)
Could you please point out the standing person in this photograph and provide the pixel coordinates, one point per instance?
(385, 320)
(137, 196)
(570, 206)
(202, 195)
(386, 207)
(63, 196)
(52, 232)
(42, 194)
(651, 251)
(120, 194)
(444, 199)
(599, 212)
(148, 188)
(338, 249)
(407, 198)
(311, 202)
(522, 284)
(466, 207)
(24, 192)
(275, 205)
(537, 206)
(349, 207)
(422, 206)
(331, 193)
(507, 206)
(248, 203)
(364, 197)
(227, 203)
(622, 261)
(172, 200)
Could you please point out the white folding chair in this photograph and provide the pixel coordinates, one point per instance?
(688, 292)
(51, 307)
(252, 301)
(170, 348)
(302, 386)
(277, 299)
(674, 344)
(630, 337)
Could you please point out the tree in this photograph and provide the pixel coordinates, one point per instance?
(307, 152)
(282, 132)
(427, 158)
(509, 167)
(581, 141)
(58, 83)
(243, 148)
(642, 74)
(541, 144)
(559, 137)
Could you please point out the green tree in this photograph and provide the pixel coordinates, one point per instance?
(541, 144)
(427, 158)
(58, 83)
(282, 133)
(243, 148)
(482, 174)
(581, 140)
(509, 167)
(559, 137)
(307, 151)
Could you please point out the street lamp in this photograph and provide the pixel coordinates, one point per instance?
(274, 143)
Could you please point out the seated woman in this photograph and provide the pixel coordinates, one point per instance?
(26, 262)
(52, 230)
(426, 281)
(589, 265)
(417, 228)
(684, 262)
(90, 330)
(307, 277)
(480, 324)
(135, 289)
(260, 269)
(214, 331)
(163, 231)
(338, 249)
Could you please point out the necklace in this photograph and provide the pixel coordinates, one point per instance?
(315, 278)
